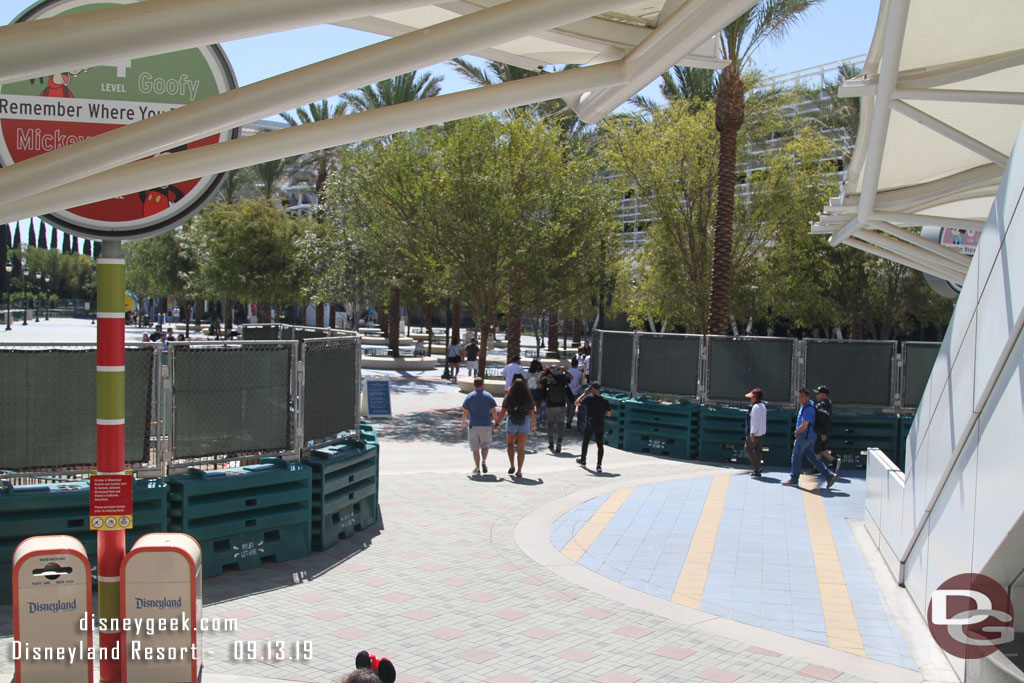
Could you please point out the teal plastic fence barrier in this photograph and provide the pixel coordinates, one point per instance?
(48, 509)
(721, 435)
(659, 428)
(345, 486)
(242, 516)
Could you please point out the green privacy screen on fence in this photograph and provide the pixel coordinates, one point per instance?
(331, 381)
(231, 399)
(48, 406)
(735, 366)
(617, 360)
(668, 364)
(862, 370)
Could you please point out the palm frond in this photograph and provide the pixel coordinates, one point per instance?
(470, 71)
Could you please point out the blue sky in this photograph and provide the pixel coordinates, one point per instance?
(835, 30)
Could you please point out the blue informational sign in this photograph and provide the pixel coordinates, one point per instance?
(378, 398)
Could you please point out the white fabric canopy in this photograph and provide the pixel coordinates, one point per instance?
(942, 99)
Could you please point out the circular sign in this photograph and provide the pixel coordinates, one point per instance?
(51, 111)
(970, 616)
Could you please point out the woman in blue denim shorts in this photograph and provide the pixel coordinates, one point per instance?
(519, 407)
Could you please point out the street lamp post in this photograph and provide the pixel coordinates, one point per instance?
(39, 278)
(447, 374)
(46, 282)
(9, 267)
(24, 287)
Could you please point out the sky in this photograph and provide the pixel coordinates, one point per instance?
(832, 31)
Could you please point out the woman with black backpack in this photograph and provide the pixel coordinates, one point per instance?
(519, 407)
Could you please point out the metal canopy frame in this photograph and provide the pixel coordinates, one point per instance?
(884, 222)
(107, 165)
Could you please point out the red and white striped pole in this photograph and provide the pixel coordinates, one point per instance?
(110, 544)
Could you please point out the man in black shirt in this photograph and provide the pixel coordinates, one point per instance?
(472, 350)
(555, 384)
(823, 427)
(598, 408)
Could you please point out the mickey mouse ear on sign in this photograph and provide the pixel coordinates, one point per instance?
(384, 668)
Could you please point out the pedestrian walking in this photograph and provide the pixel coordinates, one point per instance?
(575, 389)
(472, 351)
(555, 383)
(585, 367)
(823, 426)
(598, 408)
(803, 442)
(536, 390)
(511, 370)
(454, 358)
(755, 429)
(518, 406)
(481, 411)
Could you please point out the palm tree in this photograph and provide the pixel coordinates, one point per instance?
(405, 87)
(402, 88)
(322, 160)
(268, 174)
(769, 20)
(683, 83)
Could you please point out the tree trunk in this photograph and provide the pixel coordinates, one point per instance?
(456, 322)
(265, 314)
(553, 331)
(485, 333)
(513, 332)
(332, 314)
(228, 311)
(729, 112)
(428, 313)
(577, 332)
(394, 316)
(320, 314)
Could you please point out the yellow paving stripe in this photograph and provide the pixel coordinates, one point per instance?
(690, 586)
(579, 544)
(840, 622)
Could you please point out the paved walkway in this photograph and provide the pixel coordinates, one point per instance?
(466, 578)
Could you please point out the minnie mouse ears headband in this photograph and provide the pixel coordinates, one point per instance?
(384, 668)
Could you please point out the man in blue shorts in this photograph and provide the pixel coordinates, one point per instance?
(803, 443)
(482, 412)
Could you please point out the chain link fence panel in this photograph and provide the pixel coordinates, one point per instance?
(669, 364)
(231, 398)
(737, 365)
(857, 373)
(616, 360)
(48, 407)
(330, 398)
(918, 360)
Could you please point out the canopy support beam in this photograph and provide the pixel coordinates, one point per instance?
(224, 156)
(415, 50)
(950, 133)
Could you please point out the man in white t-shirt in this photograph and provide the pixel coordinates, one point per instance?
(454, 358)
(576, 388)
(511, 370)
(755, 426)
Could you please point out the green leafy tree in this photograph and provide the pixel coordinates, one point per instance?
(322, 161)
(248, 252)
(165, 266)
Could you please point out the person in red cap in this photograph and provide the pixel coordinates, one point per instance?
(754, 431)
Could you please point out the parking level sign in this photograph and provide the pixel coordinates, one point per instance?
(110, 502)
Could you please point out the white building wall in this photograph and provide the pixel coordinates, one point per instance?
(962, 490)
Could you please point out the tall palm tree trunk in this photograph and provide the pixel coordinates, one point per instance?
(729, 113)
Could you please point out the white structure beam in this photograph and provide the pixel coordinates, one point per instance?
(949, 132)
(951, 256)
(123, 32)
(683, 32)
(917, 219)
(169, 168)
(895, 28)
(966, 96)
(415, 50)
(866, 241)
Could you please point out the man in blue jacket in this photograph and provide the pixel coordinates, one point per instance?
(803, 444)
